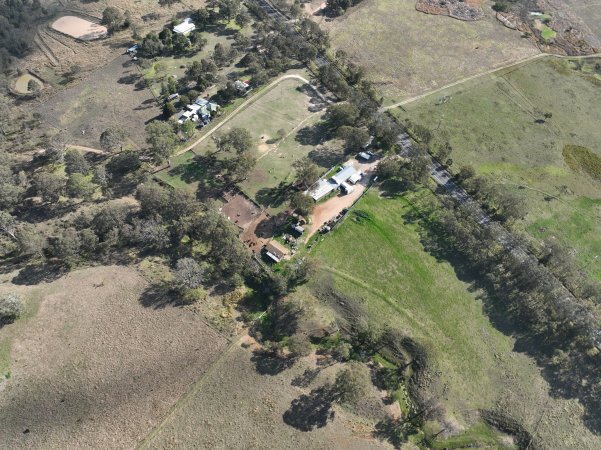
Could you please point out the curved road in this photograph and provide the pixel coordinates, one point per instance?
(246, 103)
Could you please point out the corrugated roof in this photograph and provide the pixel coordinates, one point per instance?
(344, 174)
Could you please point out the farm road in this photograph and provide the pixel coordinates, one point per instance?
(250, 101)
(478, 75)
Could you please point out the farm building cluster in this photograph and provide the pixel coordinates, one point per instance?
(200, 111)
(344, 180)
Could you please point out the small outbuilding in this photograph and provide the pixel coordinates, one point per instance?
(241, 86)
(276, 251)
(296, 227)
(353, 179)
(346, 188)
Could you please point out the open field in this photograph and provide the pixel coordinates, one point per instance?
(110, 97)
(288, 109)
(378, 256)
(240, 404)
(491, 126)
(79, 28)
(91, 366)
(421, 52)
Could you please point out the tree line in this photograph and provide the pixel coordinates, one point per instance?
(18, 20)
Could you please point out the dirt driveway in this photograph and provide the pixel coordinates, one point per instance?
(326, 211)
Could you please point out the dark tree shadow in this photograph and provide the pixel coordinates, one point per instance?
(39, 273)
(159, 297)
(269, 227)
(312, 135)
(266, 363)
(276, 196)
(129, 79)
(325, 157)
(306, 378)
(311, 411)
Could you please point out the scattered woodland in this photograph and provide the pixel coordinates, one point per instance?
(63, 208)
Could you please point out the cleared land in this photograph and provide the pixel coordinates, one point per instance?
(91, 367)
(407, 52)
(79, 28)
(491, 124)
(110, 97)
(378, 256)
(240, 404)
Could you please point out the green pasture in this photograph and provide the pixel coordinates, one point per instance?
(378, 256)
(514, 126)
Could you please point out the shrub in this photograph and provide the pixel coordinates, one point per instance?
(11, 308)
(299, 345)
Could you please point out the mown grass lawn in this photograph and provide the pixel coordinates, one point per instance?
(281, 121)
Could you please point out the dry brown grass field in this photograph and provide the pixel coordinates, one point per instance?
(407, 52)
(110, 97)
(90, 366)
(242, 402)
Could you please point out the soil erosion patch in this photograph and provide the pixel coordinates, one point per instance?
(458, 9)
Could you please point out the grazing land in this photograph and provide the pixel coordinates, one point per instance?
(377, 255)
(492, 125)
(91, 365)
(421, 52)
(112, 96)
(282, 123)
(240, 403)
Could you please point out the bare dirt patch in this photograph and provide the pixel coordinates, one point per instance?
(79, 28)
(240, 210)
(22, 83)
(94, 367)
(458, 9)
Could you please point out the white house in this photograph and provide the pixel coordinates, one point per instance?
(185, 28)
(344, 175)
(241, 86)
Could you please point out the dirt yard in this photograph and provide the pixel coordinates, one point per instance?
(110, 97)
(240, 211)
(79, 28)
(326, 211)
(91, 366)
